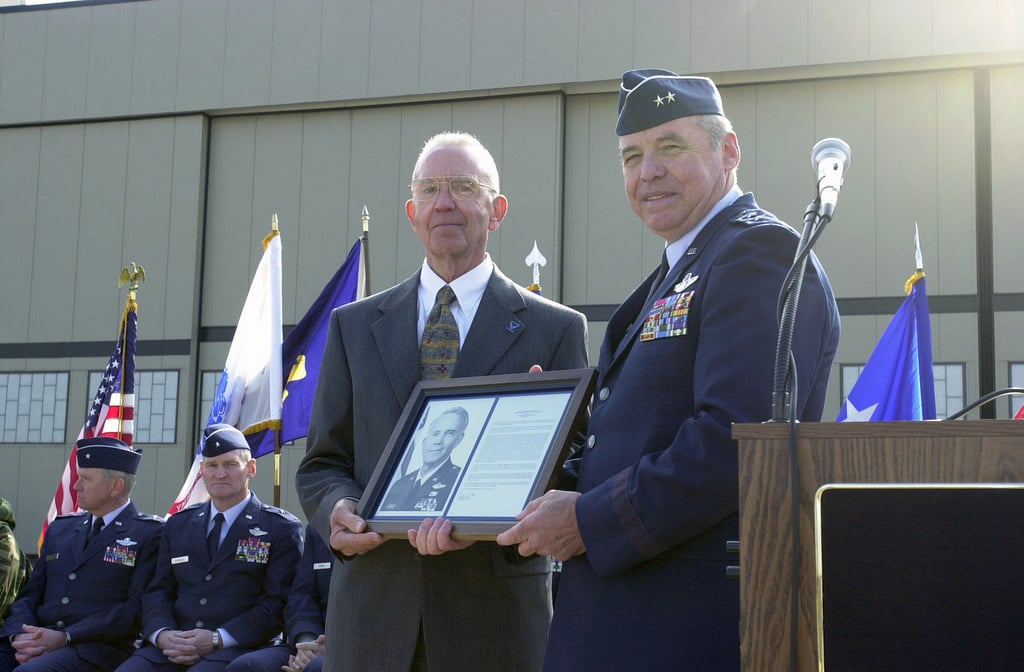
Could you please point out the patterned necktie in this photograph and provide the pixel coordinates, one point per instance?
(440, 346)
(213, 540)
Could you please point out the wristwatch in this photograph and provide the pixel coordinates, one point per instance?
(216, 639)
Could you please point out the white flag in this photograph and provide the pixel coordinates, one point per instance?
(249, 393)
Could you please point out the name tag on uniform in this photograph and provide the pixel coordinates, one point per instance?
(321, 565)
(180, 559)
(667, 317)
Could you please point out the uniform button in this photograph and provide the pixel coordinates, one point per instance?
(199, 624)
(59, 624)
(207, 578)
(72, 576)
(65, 600)
(202, 601)
(603, 394)
(591, 441)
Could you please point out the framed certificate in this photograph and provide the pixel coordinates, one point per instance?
(476, 451)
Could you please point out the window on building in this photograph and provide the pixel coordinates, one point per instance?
(156, 404)
(949, 385)
(34, 407)
(208, 384)
(1016, 380)
(848, 375)
(949, 388)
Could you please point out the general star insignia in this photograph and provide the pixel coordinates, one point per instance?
(658, 101)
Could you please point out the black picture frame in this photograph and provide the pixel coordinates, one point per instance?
(503, 449)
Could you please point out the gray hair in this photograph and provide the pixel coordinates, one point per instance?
(129, 479)
(488, 168)
(717, 128)
(459, 411)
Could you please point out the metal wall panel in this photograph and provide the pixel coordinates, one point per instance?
(155, 67)
(112, 47)
(1007, 99)
(19, 179)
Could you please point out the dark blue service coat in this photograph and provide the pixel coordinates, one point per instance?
(92, 592)
(242, 589)
(659, 471)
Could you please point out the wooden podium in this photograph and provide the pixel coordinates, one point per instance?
(984, 451)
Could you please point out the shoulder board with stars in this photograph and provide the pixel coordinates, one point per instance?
(287, 515)
(73, 514)
(753, 217)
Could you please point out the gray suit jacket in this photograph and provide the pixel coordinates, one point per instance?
(478, 610)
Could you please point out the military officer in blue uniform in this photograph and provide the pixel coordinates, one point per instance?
(224, 571)
(81, 609)
(427, 488)
(652, 496)
(304, 617)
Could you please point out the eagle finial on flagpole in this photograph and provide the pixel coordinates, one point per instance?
(132, 276)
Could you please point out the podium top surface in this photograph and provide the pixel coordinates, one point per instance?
(840, 430)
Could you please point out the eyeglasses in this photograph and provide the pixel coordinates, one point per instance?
(461, 187)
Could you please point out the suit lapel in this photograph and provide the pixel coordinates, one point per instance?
(78, 548)
(497, 325)
(198, 532)
(395, 334)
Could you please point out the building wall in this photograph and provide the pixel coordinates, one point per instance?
(169, 132)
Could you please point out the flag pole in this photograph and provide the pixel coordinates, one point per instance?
(365, 256)
(116, 389)
(132, 277)
(276, 432)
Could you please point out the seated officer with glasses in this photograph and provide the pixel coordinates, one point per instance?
(477, 607)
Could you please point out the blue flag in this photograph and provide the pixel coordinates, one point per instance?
(303, 349)
(897, 382)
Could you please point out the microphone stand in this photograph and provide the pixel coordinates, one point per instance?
(785, 391)
(789, 299)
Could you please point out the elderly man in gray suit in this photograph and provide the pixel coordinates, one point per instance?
(436, 602)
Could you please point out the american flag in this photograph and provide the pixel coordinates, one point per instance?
(112, 413)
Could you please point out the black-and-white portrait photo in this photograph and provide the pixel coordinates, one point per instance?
(428, 487)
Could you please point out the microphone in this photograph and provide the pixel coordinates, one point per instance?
(830, 157)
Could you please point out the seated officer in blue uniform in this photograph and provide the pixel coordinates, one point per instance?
(304, 617)
(81, 609)
(224, 571)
